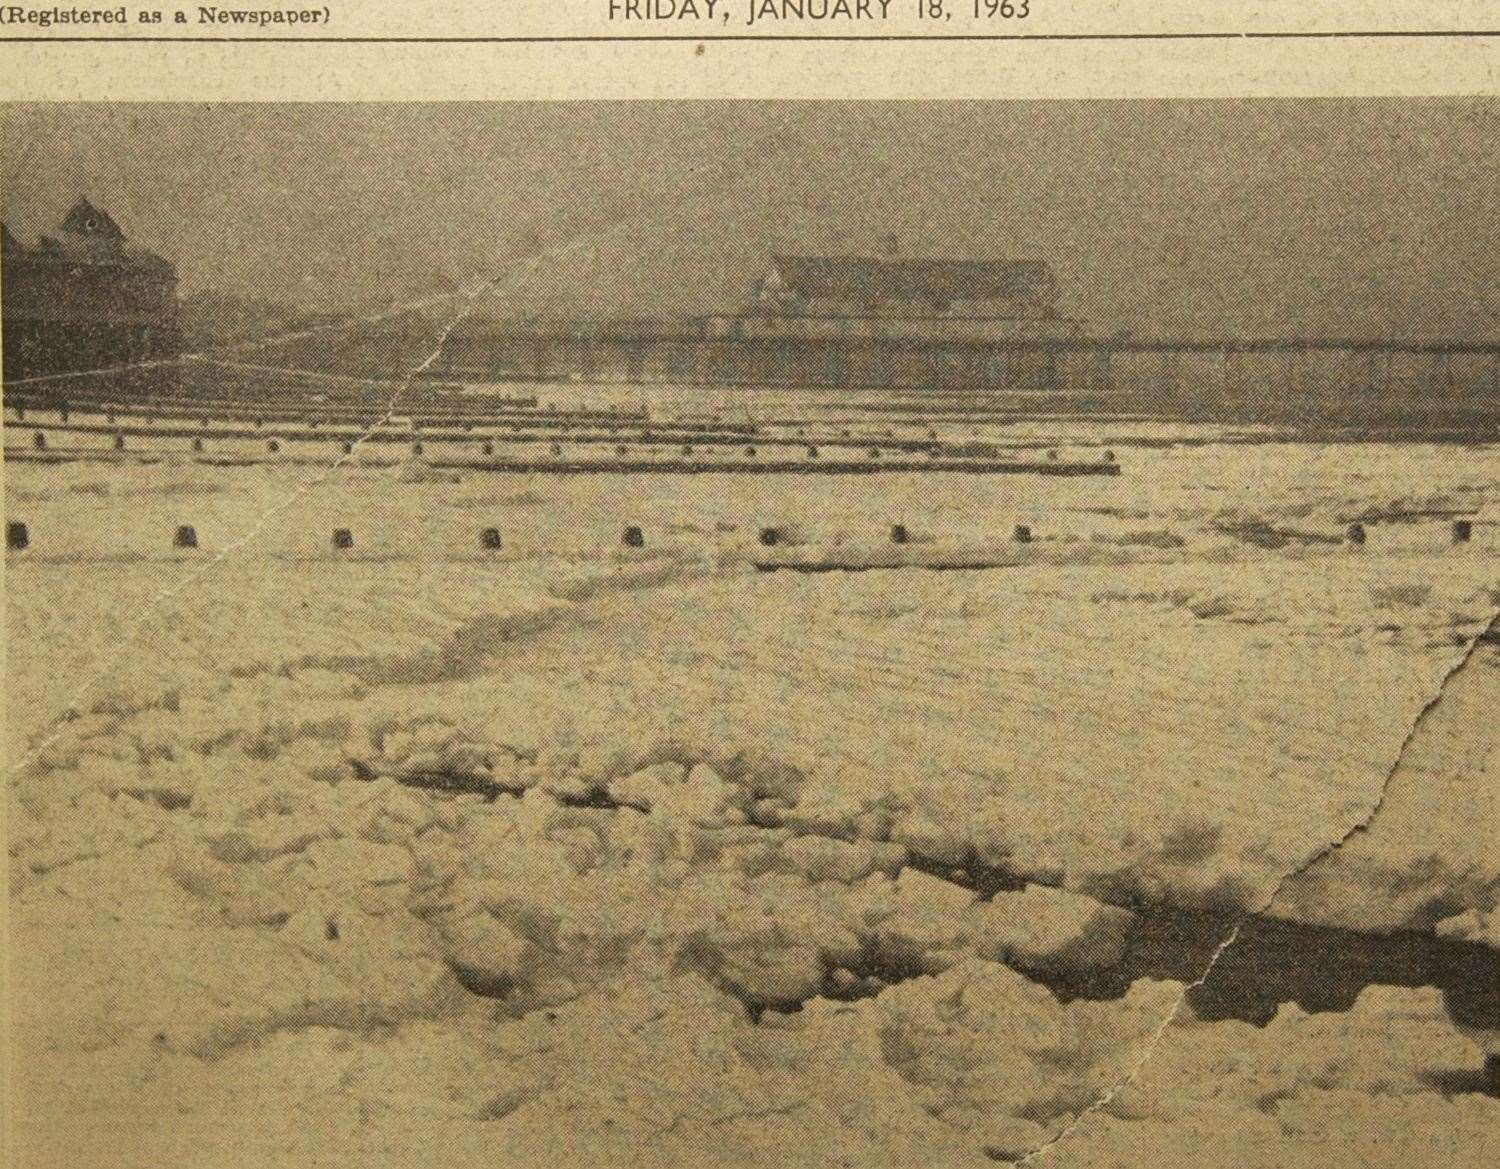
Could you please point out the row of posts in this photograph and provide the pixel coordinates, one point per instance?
(39, 441)
(1463, 532)
(18, 536)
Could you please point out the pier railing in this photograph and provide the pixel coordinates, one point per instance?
(1323, 379)
(1238, 377)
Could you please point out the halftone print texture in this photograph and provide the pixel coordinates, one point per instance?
(776, 633)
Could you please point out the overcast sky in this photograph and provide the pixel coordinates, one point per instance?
(1339, 216)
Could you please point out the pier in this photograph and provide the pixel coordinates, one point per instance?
(1290, 378)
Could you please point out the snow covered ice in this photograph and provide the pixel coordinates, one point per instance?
(608, 855)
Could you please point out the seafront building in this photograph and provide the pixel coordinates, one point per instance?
(894, 288)
(958, 333)
(835, 321)
(84, 299)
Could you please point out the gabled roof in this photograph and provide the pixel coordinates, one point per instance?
(865, 279)
(87, 235)
(87, 220)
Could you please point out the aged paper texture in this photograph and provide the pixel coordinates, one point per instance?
(751, 582)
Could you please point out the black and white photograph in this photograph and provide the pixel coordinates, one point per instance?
(751, 633)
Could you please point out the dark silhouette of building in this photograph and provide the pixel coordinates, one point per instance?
(87, 299)
(896, 322)
(860, 287)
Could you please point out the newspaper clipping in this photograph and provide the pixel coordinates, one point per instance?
(810, 583)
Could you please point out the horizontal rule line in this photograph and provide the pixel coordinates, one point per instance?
(625, 38)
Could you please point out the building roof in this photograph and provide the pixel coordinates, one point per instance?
(87, 235)
(88, 221)
(869, 280)
(88, 274)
